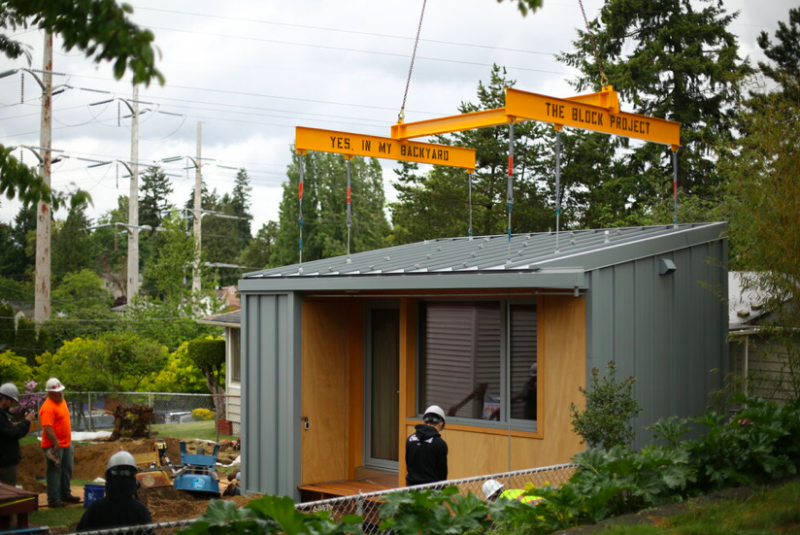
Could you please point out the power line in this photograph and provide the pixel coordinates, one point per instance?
(359, 51)
(263, 95)
(375, 34)
(339, 30)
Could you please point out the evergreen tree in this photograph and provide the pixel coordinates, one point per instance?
(73, 248)
(240, 203)
(154, 196)
(325, 209)
(785, 54)
(221, 241)
(436, 204)
(287, 243)
(673, 59)
(17, 257)
(258, 253)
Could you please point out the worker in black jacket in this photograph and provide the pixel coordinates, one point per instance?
(10, 434)
(426, 451)
(120, 507)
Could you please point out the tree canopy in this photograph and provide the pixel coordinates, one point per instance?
(673, 59)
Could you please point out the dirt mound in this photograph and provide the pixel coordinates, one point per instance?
(91, 459)
(167, 504)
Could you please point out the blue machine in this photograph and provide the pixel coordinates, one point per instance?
(198, 472)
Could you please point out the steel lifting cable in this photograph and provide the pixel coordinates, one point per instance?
(402, 115)
(349, 205)
(300, 199)
(510, 184)
(603, 79)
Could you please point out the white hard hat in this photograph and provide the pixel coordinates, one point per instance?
(10, 391)
(435, 410)
(491, 487)
(121, 458)
(54, 385)
(534, 368)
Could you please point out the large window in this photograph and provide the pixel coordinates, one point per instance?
(478, 360)
(236, 355)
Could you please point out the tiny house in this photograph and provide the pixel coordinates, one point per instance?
(340, 356)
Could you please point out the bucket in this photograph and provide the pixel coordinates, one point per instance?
(92, 493)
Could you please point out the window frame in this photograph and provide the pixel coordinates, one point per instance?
(507, 423)
(234, 333)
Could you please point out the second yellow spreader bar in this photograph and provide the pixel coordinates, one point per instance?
(381, 147)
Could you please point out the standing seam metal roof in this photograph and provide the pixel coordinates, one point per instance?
(525, 252)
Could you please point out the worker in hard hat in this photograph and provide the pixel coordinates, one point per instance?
(493, 490)
(120, 507)
(10, 434)
(426, 450)
(57, 445)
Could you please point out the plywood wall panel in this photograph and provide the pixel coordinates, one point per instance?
(325, 338)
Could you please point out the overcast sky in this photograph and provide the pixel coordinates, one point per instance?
(251, 71)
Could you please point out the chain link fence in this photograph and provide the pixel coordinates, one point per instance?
(367, 504)
(94, 411)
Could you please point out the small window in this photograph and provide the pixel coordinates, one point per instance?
(478, 360)
(236, 355)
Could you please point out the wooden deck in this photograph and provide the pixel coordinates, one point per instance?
(336, 489)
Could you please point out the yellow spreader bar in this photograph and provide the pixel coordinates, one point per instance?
(581, 111)
(348, 144)
(569, 112)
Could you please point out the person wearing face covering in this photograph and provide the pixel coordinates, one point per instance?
(120, 506)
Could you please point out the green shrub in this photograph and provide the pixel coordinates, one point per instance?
(13, 368)
(610, 406)
(202, 415)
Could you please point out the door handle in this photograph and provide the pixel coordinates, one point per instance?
(306, 425)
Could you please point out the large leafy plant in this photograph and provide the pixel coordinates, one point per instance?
(268, 515)
(434, 512)
(761, 442)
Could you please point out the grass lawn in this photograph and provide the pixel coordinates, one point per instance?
(774, 509)
(203, 430)
(66, 516)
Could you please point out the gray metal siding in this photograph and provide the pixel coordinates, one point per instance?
(645, 351)
(271, 390)
(666, 330)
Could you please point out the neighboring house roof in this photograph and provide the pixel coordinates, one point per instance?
(228, 295)
(498, 262)
(229, 319)
(745, 305)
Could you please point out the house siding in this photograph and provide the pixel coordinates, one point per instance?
(271, 387)
(768, 368)
(665, 330)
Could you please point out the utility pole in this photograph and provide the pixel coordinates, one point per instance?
(198, 214)
(43, 214)
(133, 202)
